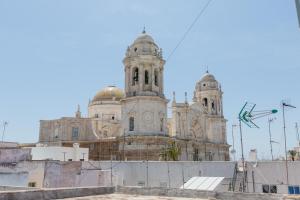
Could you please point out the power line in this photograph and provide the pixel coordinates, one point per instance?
(189, 29)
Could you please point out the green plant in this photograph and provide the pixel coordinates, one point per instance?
(171, 152)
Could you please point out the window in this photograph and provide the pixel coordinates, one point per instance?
(273, 189)
(161, 124)
(131, 124)
(135, 77)
(204, 102)
(146, 77)
(294, 189)
(156, 77)
(96, 115)
(269, 188)
(32, 184)
(213, 105)
(265, 188)
(135, 49)
(75, 133)
(113, 117)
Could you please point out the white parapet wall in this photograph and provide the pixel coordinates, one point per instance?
(74, 153)
(162, 174)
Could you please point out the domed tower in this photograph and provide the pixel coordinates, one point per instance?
(106, 104)
(105, 110)
(208, 92)
(144, 107)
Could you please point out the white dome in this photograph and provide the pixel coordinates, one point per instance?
(143, 45)
(207, 77)
(207, 82)
(143, 38)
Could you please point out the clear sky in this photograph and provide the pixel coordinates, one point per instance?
(56, 54)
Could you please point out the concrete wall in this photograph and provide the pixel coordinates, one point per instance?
(14, 155)
(273, 173)
(73, 174)
(19, 179)
(161, 174)
(15, 188)
(55, 193)
(55, 174)
(21, 173)
(174, 192)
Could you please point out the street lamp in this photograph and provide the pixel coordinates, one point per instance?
(284, 104)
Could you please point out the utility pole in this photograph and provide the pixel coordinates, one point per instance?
(233, 151)
(284, 132)
(83, 156)
(243, 158)
(271, 141)
(64, 155)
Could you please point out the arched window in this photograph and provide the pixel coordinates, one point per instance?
(131, 124)
(213, 105)
(204, 102)
(146, 77)
(135, 77)
(156, 77)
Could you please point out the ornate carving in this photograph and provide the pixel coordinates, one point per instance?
(195, 128)
(148, 117)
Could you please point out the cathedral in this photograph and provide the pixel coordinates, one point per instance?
(133, 124)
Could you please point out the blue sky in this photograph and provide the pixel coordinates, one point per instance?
(57, 54)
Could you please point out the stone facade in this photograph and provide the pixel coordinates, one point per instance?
(133, 125)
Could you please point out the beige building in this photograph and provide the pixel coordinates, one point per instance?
(133, 125)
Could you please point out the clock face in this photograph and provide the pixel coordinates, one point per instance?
(148, 117)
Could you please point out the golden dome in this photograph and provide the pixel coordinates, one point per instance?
(108, 94)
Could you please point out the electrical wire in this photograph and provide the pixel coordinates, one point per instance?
(189, 29)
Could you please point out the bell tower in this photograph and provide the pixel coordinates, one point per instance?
(144, 67)
(208, 92)
(144, 108)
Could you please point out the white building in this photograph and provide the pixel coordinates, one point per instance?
(44, 152)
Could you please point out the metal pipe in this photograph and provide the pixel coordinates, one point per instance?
(233, 149)
(243, 159)
(284, 132)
